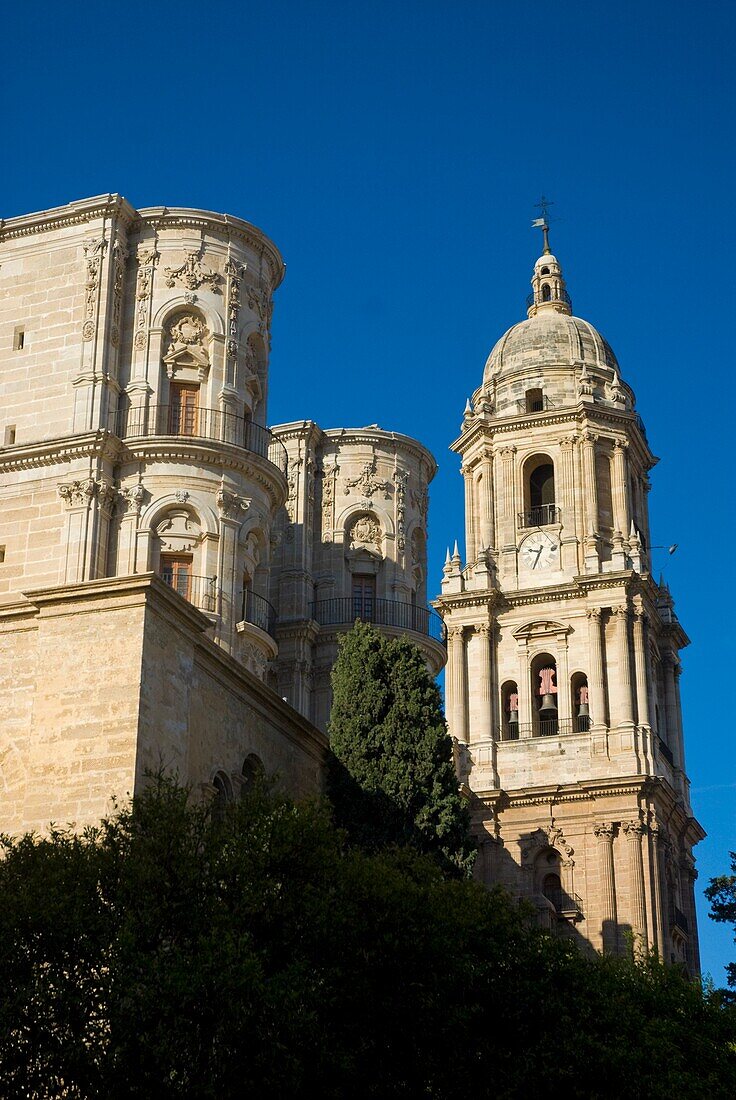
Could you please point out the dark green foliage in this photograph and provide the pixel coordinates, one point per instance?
(721, 893)
(171, 954)
(392, 779)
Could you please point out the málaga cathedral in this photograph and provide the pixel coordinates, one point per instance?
(175, 575)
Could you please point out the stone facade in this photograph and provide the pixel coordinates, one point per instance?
(350, 543)
(149, 520)
(563, 664)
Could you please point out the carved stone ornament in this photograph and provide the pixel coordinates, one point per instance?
(94, 251)
(188, 333)
(329, 473)
(368, 483)
(604, 830)
(401, 480)
(131, 498)
(119, 256)
(365, 532)
(182, 496)
(549, 837)
(189, 329)
(230, 505)
(192, 274)
(147, 260)
(77, 493)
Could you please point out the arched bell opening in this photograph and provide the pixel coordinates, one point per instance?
(539, 492)
(544, 695)
(580, 704)
(546, 292)
(510, 711)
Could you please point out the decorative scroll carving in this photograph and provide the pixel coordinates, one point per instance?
(230, 505)
(604, 830)
(364, 532)
(634, 830)
(119, 256)
(549, 837)
(75, 494)
(94, 251)
(234, 273)
(292, 482)
(401, 480)
(329, 474)
(260, 302)
(187, 333)
(368, 483)
(131, 498)
(192, 274)
(147, 260)
(420, 501)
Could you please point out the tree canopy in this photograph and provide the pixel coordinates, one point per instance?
(177, 952)
(393, 777)
(721, 893)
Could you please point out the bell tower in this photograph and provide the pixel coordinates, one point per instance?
(563, 666)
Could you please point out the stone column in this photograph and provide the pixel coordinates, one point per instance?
(231, 508)
(609, 925)
(525, 694)
(564, 699)
(470, 526)
(622, 696)
(456, 701)
(79, 555)
(669, 660)
(660, 916)
(620, 503)
(485, 720)
(596, 681)
(487, 526)
(590, 492)
(566, 498)
(633, 831)
(642, 684)
(507, 515)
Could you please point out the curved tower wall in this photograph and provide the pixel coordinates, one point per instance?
(563, 662)
(351, 543)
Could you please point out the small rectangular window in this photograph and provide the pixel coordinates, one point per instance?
(9, 435)
(2, 554)
(19, 339)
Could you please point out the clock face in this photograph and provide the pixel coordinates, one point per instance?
(540, 552)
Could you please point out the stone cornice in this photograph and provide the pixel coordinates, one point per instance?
(575, 589)
(218, 453)
(74, 213)
(158, 217)
(482, 431)
(379, 437)
(50, 452)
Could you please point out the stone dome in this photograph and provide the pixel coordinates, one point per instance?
(549, 339)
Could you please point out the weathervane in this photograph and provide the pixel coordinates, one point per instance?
(543, 222)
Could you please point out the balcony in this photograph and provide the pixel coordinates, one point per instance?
(257, 611)
(679, 920)
(666, 751)
(541, 516)
(199, 591)
(567, 904)
(195, 423)
(563, 296)
(535, 404)
(403, 616)
(547, 727)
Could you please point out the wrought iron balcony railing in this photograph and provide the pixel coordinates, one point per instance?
(666, 751)
(566, 904)
(546, 727)
(563, 296)
(257, 610)
(679, 920)
(211, 424)
(535, 405)
(199, 591)
(541, 516)
(403, 616)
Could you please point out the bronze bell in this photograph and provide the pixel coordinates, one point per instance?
(583, 711)
(513, 717)
(549, 706)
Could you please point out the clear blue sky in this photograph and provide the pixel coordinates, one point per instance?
(394, 152)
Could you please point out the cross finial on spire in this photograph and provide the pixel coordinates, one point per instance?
(543, 222)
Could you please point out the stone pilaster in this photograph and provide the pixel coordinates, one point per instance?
(456, 683)
(487, 525)
(621, 696)
(506, 534)
(566, 494)
(660, 916)
(642, 684)
(596, 679)
(470, 517)
(590, 494)
(485, 707)
(633, 831)
(621, 509)
(604, 832)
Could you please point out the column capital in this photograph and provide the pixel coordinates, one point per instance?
(634, 830)
(484, 629)
(568, 441)
(621, 612)
(589, 438)
(604, 830)
(455, 633)
(593, 613)
(506, 449)
(621, 445)
(487, 454)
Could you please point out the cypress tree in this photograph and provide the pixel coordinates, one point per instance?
(392, 779)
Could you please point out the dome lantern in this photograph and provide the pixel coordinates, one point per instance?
(549, 294)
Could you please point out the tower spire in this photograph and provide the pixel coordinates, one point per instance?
(543, 223)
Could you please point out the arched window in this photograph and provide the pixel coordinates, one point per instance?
(534, 401)
(580, 708)
(223, 793)
(544, 271)
(546, 292)
(539, 492)
(544, 695)
(509, 711)
(552, 890)
(251, 774)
